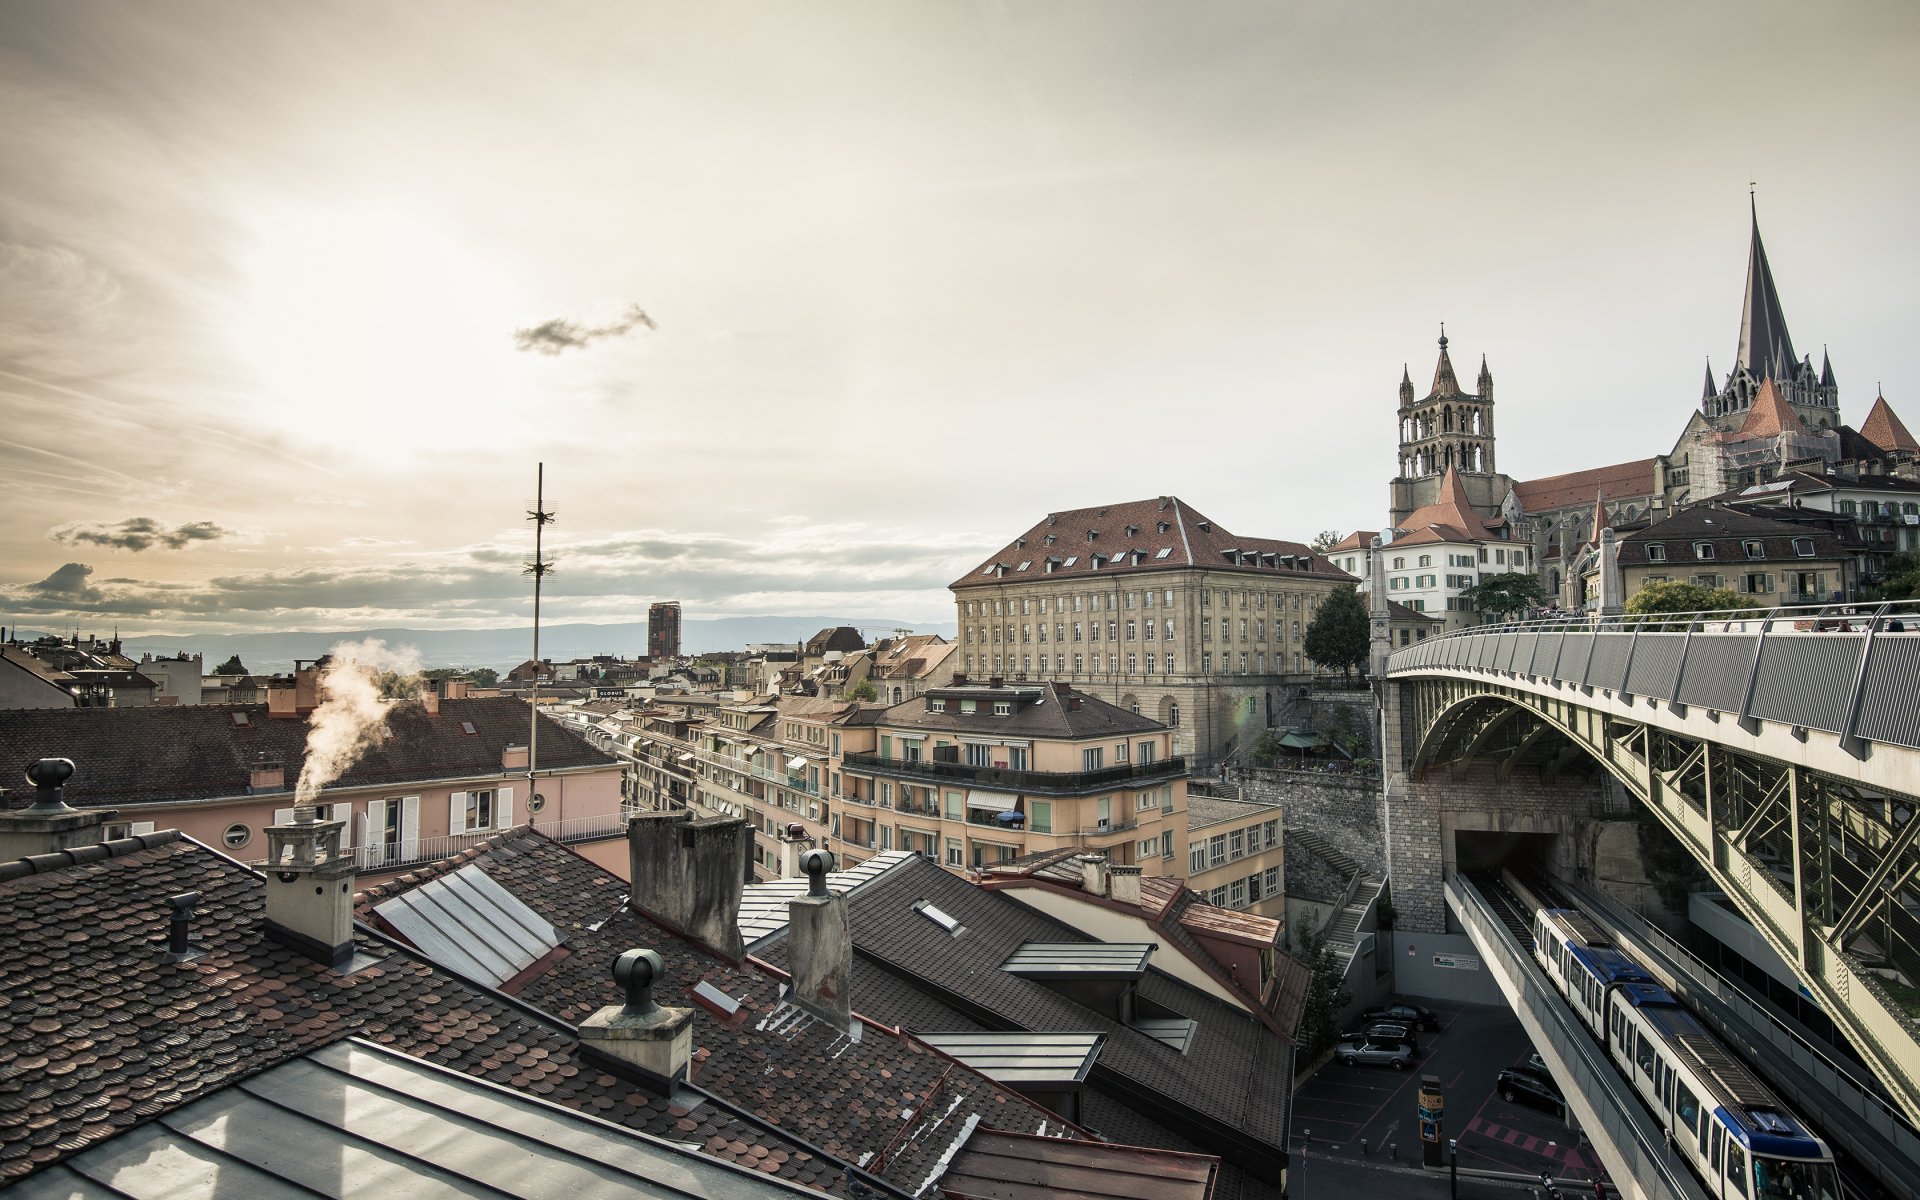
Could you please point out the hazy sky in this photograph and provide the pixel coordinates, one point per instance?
(919, 273)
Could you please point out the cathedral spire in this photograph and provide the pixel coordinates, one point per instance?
(1766, 351)
(1406, 385)
(1710, 392)
(1826, 369)
(1444, 382)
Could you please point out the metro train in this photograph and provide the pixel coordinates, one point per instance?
(1739, 1138)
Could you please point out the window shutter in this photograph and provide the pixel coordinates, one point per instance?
(457, 813)
(283, 816)
(140, 827)
(410, 826)
(344, 814)
(503, 811)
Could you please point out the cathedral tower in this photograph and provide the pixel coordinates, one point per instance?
(1450, 429)
(1766, 352)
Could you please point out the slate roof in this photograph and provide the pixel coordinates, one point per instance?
(1885, 430)
(1621, 481)
(1236, 1075)
(101, 1033)
(193, 752)
(1765, 345)
(1057, 711)
(1728, 529)
(1190, 539)
(789, 1069)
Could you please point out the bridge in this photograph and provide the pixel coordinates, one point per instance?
(1780, 749)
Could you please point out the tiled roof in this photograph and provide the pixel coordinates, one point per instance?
(1727, 529)
(146, 755)
(1359, 539)
(763, 906)
(787, 1068)
(102, 1033)
(1450, 518)
(1884, 429)
(1060, 712)
(51, 676)
(1770, 415)
(1621, 481)
(1234, 1080)
(1397, 611)
(1129, 539)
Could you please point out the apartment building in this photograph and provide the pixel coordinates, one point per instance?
(1236, 856)
(1153, 607)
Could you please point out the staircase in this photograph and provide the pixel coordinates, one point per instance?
(1342, 930)
(1322, 849)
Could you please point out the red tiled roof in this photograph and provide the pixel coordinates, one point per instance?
(1359, 539)
(1620, 481)
(1884, 429)
(1770, 415)
(1129, 539)
(1450, 518)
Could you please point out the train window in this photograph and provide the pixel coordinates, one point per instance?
(1713, 1155)
(1643, 1053)
(1686, 1106)
(1736, 1167)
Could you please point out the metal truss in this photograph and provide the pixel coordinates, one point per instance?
(1824, 867)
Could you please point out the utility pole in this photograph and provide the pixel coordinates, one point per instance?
(539, 569)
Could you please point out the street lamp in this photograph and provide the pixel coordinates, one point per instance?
(1453, 1168)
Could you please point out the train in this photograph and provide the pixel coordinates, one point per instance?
(1731, 1129)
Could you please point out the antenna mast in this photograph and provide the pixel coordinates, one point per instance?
(539, 569)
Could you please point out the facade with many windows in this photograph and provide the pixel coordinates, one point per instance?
(1236, 856)
(1154, 608)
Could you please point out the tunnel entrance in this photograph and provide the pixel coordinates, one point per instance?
(1492, 849)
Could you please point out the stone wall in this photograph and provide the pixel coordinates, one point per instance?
(1343, 809)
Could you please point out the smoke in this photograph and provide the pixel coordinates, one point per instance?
(353, 687)
(551, 337)
(139, 533)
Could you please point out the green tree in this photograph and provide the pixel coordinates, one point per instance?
(477, 676)
(232, 666)
(1338, 635)
(1326, 999)
(863, 691)
(1901, 582)
(1326, 540)
(485, 677)
(1675, 596)
(1506, 593)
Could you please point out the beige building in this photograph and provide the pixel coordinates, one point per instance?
(1155, 608)
(1235, 855)
(1768, 563)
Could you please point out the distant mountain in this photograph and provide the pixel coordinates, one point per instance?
(503, 649)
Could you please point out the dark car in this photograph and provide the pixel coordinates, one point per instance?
(1532, 1086)
(1406, 1014)
(1374, 1054)
(1385, 1033)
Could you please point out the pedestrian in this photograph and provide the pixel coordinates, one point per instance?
(1599, 1189)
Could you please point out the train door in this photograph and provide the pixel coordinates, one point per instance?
(1687, 1122)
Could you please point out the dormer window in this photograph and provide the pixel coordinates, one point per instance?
(1803, 547)
(1164, 527)
(1703, 551)
(969, 706)
(1755, 549)
(936, 705)
(1003, 708)
(1092, 534)
(1656, 552)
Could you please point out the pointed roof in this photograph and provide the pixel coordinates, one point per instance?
(1450, 518)
(1709, 392)
(1599, 517)
(1444, 381)
(1826, 369)
(1765, 347)
(1485, 374)
(1770, 415)
(1884, 429)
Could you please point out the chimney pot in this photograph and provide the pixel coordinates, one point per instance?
(48, 825)
(641, 1033)
(179, 916)
(820, 938)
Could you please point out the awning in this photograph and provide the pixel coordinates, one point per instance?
(992, 801)
(1302, 741)
(796, 762)
(684, 758)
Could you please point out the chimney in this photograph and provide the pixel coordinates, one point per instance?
(1093, 874)
(513, 758)
(456, 689)
(430, 700)
(687, 875)
(280, 703)
(179, 925)
(310, 888)
(820, 945)
(640, 1033)
(306, 684)
(48, 826)
(266, 776)
(1124, 884)
(794, 841)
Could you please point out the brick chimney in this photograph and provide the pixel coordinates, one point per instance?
(820, 945)
(640, 1033)
(48, 825)
(1123, 884)
(266, 775)
(687, 874)
(310, 888)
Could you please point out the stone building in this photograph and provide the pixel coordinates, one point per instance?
(1155, 607)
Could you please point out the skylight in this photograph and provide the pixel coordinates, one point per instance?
(939, 918)
(1164, 551)
(467, 728)
(468, 923)
(1071, 559)
(241, 719)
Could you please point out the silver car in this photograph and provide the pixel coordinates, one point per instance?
(1376, 1054)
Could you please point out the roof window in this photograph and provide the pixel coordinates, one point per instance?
(467, 728)
(1703, 551)
(1071, 559)
(1164, 551)
(1024, 564)
(1656, 552)
(942, 919)
(241, 720)
(1755, 549)
(1803, 547)
(467, 922)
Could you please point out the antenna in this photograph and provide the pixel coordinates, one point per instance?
(539, 568)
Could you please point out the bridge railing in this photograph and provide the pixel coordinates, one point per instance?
(1846, 669)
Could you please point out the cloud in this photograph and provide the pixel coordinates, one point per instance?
(55, 306)
(69, 582)
(551, 337)
(139, 533)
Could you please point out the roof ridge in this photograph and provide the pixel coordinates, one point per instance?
(40, 864)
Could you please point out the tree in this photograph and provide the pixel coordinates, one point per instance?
(232, 666)
(1901, 582)
(1675, 596)
(1510, 592)
(1338, 635)
(863, 691)
(485, 677)
(1326, 540)
(1326, 1000)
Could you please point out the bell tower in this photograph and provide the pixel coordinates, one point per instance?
(1450, 429)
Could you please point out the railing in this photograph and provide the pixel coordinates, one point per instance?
(1022, 781)
(1845, 669)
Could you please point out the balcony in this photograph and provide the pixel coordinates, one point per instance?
(1035, 782)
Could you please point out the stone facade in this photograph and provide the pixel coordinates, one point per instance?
(1343, 810)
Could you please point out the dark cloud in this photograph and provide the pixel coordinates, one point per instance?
(551, 337)
(139, 533)
(67, 583)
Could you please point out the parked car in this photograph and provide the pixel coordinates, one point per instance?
(1532, 1086)
(1406, 1014)
(1384, 1032)
(1375, 1054)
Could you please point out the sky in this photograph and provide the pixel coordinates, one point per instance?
(808, 308)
